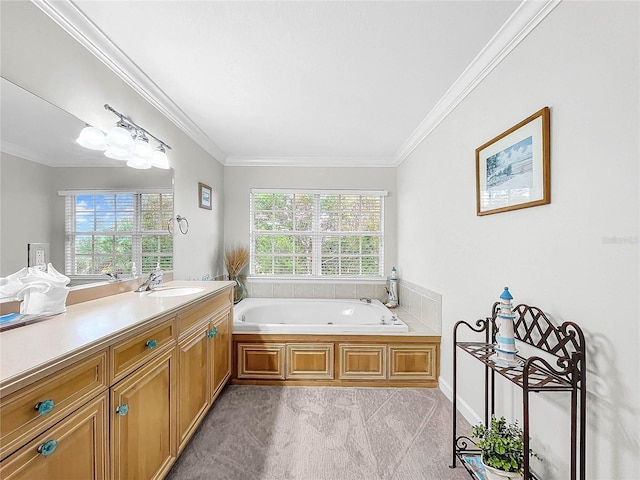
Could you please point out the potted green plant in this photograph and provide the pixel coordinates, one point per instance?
(502, 448)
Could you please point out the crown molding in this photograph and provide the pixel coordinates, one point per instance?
(521, 22)
(23, 152)
(329, 162)
(66, 14)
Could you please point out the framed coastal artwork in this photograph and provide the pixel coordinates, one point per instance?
(512, 169)
(204, 196)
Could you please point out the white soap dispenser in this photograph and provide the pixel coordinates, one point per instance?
(159, 274)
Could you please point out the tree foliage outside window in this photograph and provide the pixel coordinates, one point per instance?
(112, 232)
(317, 234)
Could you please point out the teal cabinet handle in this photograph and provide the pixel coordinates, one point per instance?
(151, 344)
(44, 407)
(48, 447)
(212, 333)
(122, 410)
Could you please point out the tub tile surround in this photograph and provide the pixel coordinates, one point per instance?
(421, 304)
(325, 290)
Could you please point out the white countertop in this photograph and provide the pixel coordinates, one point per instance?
(25, 350)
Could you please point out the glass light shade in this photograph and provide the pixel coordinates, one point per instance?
(119, 137)
(159, 159)
(142, 149)
(139, 163)
(119, 153)
(92, 138)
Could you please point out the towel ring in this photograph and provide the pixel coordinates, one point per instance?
(179, 219)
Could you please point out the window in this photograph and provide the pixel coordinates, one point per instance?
(317, 233)
(113, 231)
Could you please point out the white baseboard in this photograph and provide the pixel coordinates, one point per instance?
(463, 407)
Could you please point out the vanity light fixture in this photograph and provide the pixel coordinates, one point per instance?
(126, 141)
(92, 138)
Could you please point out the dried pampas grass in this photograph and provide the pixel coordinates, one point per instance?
(235, 259)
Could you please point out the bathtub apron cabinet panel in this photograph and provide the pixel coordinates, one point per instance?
(143, 420)
(356, 360)
(310, 361)
(261, 361)
(75, 448)
(193, 379)
(221, 355)
(413, 362)
(362, 362)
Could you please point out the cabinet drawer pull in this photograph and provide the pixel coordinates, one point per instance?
(122, 410)
(151, 344)
(44, 407)
(48, 447)
(212, 333)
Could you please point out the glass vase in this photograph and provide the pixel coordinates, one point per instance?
(240, 289)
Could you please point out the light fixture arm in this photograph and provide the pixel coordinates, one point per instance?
(128, 122)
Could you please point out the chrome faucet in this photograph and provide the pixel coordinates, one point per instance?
(154, 280)
(365, 300)
(113, 277)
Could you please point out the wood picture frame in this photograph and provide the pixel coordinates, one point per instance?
(513, 169)
(204, 196)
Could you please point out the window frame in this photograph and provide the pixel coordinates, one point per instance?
(317, 235)
(137, 234)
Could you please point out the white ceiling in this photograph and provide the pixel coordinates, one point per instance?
(273, 82)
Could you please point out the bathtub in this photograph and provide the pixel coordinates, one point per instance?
(314, 316)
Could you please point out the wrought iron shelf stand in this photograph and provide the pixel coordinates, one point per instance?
(564, 345)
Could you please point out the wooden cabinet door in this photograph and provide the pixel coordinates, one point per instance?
(75, 448)
(221, 357)
(193, 382)
(413, 362)
(310, 361)
(362, 362)
(143, 420)
(261, 361)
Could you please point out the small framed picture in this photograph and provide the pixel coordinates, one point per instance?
(512, 170)
(204, 196)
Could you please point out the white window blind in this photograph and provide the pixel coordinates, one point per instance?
(108, 231)
(317, 233)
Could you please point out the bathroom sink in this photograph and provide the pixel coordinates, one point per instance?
(175, 291)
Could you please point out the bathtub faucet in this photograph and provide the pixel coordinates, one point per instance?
(365, 300)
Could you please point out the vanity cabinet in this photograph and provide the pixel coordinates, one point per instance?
(193, 398)
(221, 331)
(127, 410)
(143, 414)
(76, 447)
(30, 411)
(204, 349)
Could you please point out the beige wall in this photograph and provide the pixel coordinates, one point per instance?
(576, 258)
(43, 59)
